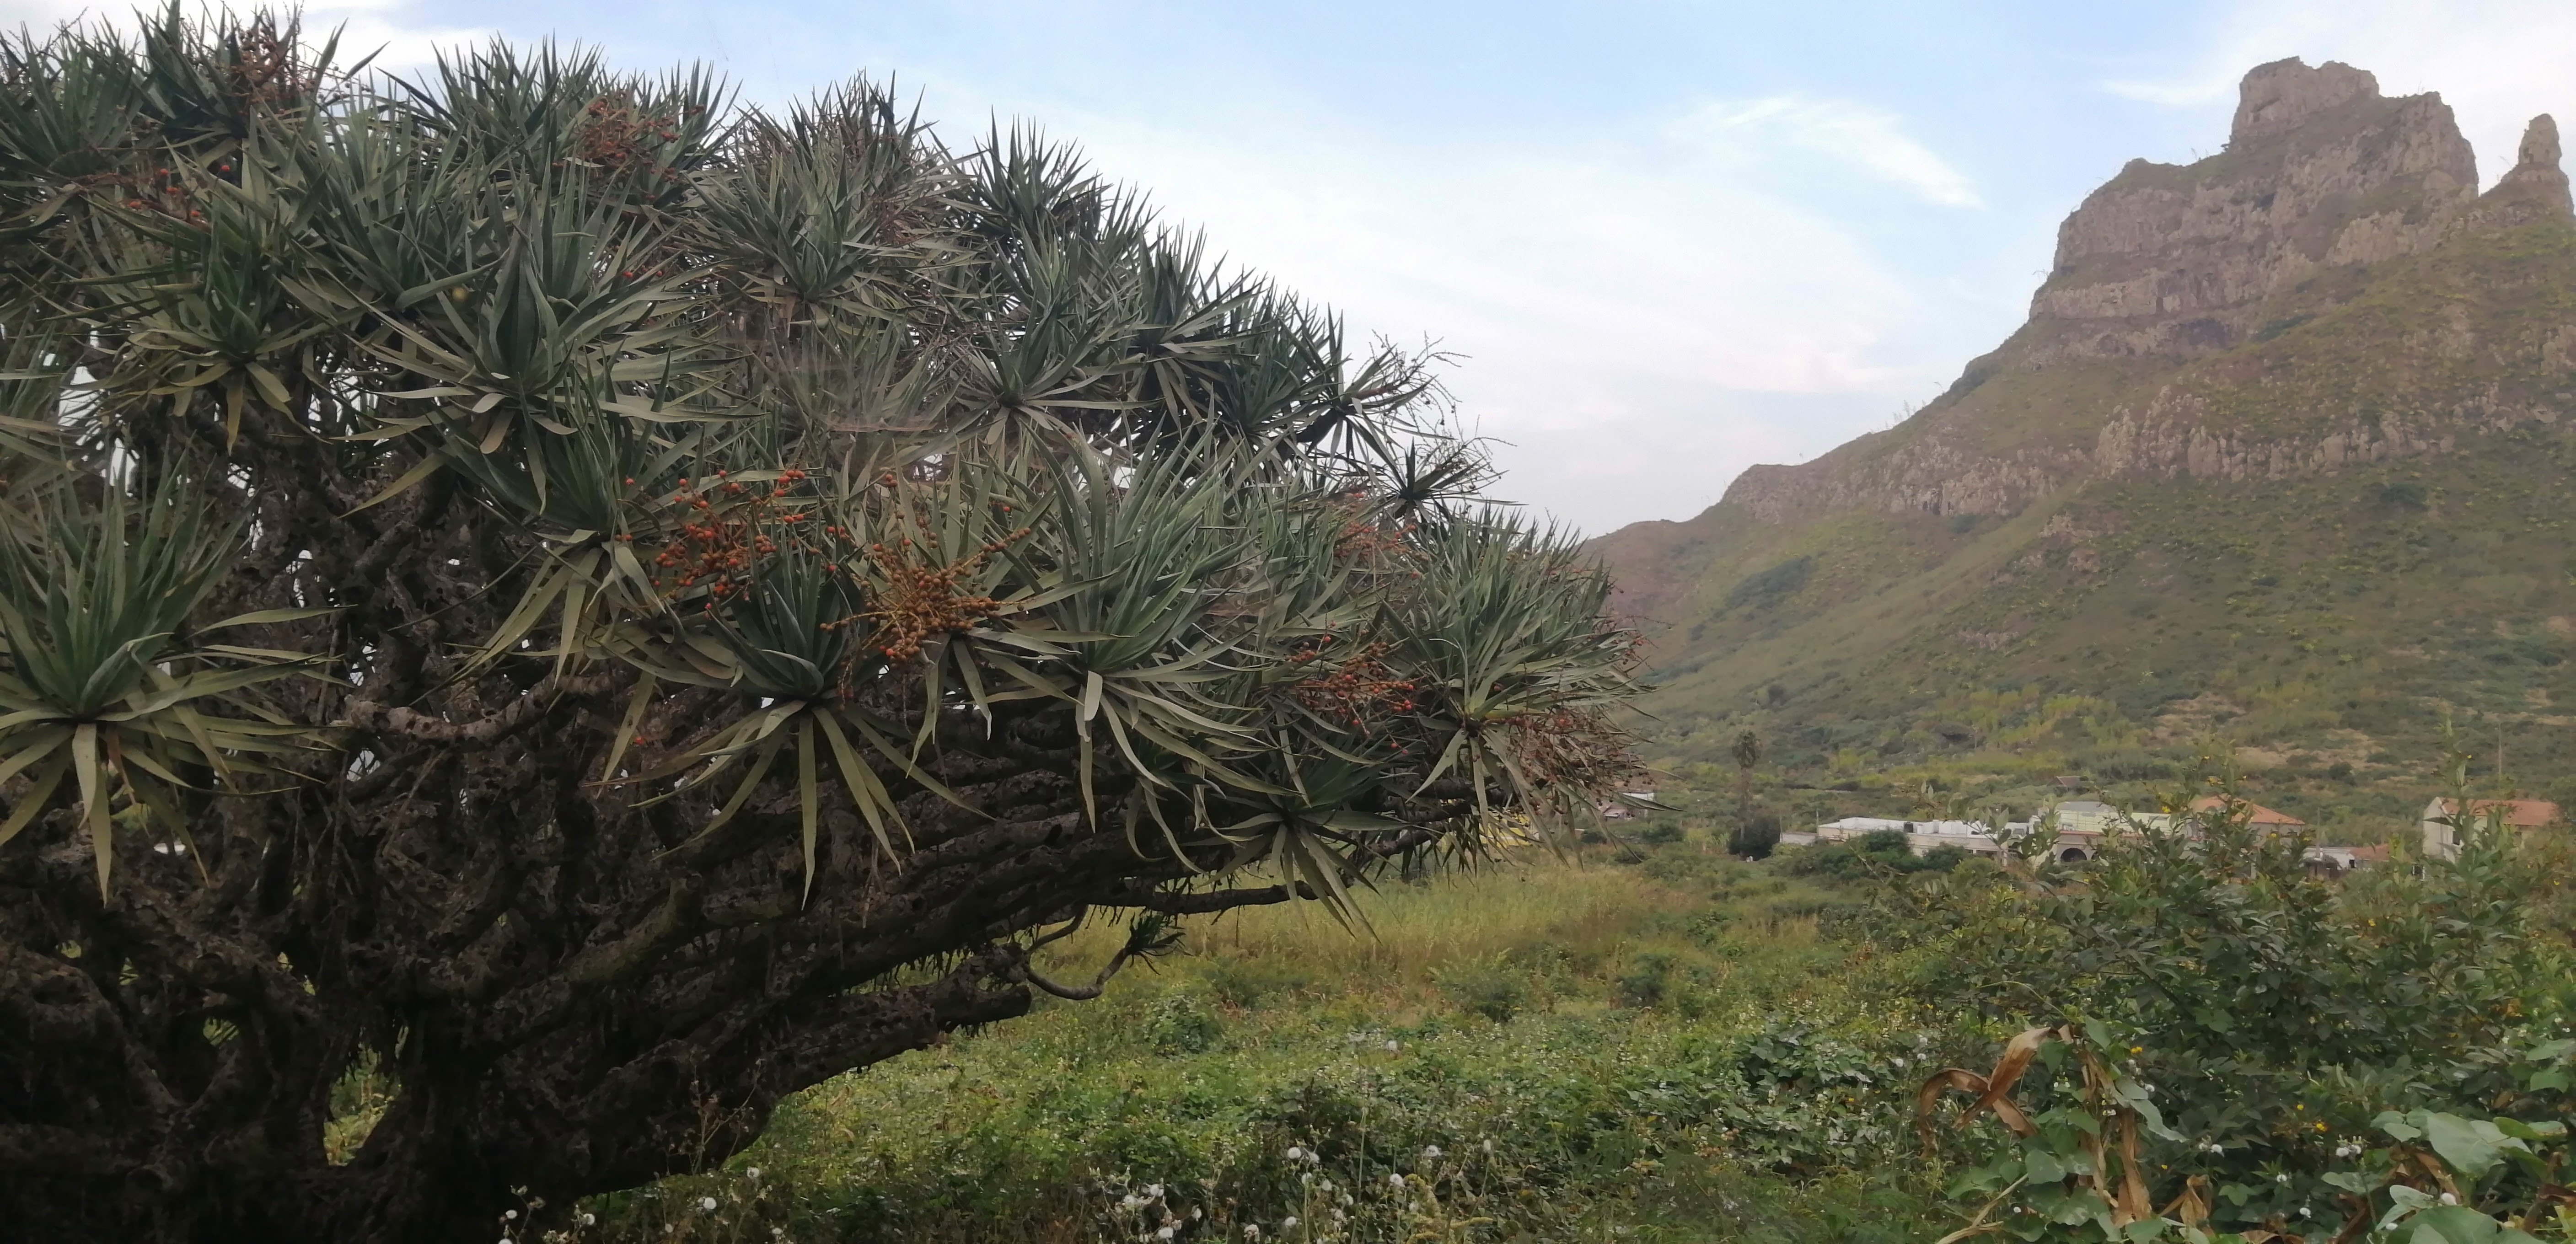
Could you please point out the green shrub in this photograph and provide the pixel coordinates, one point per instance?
(1178, 1024)
(2281, 1019)
(1756, 837)
(1879, 853)
(1648, 978)
(1494, 988)
(1243, 983)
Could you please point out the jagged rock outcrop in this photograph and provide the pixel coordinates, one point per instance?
(2535, 188)
(2320, 170)
(2165, 265)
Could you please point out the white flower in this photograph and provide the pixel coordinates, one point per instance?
(1251, 1231)
(1194, 1213)
(1153, 1192)
(1296, 1154)
(2305, 1212)
(1392, 1045)
(707, 1204)
(751, 1172)
(778, 1233)
(2282, 1178)
(509, 1215)
(1431, 1151)
(505, 1240)
(1900, 1063)
(2450, 1198)
(1288, 1223)
(590, 1220)
(1395, 1181)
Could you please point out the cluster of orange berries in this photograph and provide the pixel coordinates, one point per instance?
(719, 548)
(920, 600)
(1362, 688)
(169, 195)
(613, 135)
(1364, 539)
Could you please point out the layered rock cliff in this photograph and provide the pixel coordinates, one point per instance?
(2323, 181)
(2300, 415)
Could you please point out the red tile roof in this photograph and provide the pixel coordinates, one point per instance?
(2257, 814)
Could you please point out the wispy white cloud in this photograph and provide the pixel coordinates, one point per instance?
(2496, 62)
(1632, 320)
(1846, 131)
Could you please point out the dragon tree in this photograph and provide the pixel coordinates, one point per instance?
(608, 605)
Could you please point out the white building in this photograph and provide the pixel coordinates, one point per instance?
(2441, 840)
(1922, 837)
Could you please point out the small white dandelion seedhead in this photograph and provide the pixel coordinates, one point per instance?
(778, 1233)
(1431, 1152)
(707, 1204)
(1252, 1230)
(2282, 1178)
(590, 1220)
(1296, 1154)
(2305, 1212)
(1395, 1181)
(509, 1215)
(1153, 1192)
(1288, 1223)
(1392, 1045)
(751, 1172)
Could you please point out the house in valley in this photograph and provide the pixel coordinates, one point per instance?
(2441, 838)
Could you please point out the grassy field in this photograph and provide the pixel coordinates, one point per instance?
(1659, 1049)
(1649, 1041)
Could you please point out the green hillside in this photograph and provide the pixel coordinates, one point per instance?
(2302, 552)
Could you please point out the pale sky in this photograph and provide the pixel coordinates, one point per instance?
(1668, 240)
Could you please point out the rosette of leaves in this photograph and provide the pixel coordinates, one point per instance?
(558, 306)
(768, 600)
(106, 685)
(584, 496)
(1505, 628)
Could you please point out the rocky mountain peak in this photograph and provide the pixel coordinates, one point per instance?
(2279, 97)
(2324, 184)
(2535, 188)
(2320, 171)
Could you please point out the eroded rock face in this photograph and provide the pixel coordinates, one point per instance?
(2169, 264)
(2535, 188)
(2320, 170)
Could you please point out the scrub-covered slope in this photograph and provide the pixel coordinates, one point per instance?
(2281, 451)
